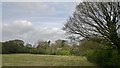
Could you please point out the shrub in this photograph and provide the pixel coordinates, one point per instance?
(105, 57)
(35, 51)
(75, 52)
(47, 52)
(115, 59)
(62, 52)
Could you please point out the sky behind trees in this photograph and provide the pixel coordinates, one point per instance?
(33, 21)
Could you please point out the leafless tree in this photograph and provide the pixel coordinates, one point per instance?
(96, 19)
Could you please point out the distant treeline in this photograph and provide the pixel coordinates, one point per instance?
(60, 47)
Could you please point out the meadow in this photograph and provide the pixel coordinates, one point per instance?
(44, 60)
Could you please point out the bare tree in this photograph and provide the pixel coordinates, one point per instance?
(96, 19)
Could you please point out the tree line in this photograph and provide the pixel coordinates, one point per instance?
(59, 47)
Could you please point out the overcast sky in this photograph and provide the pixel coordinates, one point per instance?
(33, 21)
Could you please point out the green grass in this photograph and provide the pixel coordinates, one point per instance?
(43, 60)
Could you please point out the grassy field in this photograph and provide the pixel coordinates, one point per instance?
(43, 60)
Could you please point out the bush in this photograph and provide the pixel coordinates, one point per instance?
(75, 52)
(35, 51)
(105, 57)
(46, 51)
(115, 59)
(63, 52)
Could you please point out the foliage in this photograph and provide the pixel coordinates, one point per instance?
(105, 57)
(13, 46)
(34, 51)
(75, 50)
(99, 53)
(60, 47)
(43, 47)
(0, 47)
(62, 52)
(89, 45)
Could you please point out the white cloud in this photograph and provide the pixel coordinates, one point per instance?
(17, 27)
(25, 30)
(45, 33)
